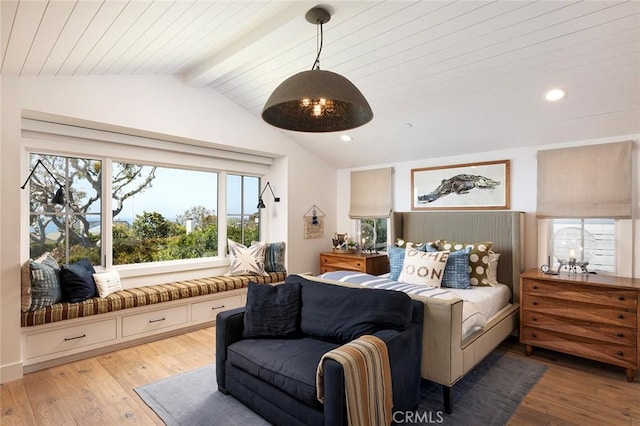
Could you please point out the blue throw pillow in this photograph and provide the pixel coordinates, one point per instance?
(396, 258)
(272, 311)
(44, 282)
(456, 272)
(76, 281)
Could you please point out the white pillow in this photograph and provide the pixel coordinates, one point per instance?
(423, 268)
(492, 271)
(246, 260)
(107, 282)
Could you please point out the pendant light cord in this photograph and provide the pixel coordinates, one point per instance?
(316, 63)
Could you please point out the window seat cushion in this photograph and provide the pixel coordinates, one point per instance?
(142, 296)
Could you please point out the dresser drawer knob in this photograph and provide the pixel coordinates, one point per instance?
(535, 287)
(620, 316)
(534, 303)
(534, 334)
(621, 298)
(620, 353)
(620, 334)
(535, 319)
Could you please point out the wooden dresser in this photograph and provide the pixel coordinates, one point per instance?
(374, 264)
(587, 315)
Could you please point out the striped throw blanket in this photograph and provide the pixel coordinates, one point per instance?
(368, 386)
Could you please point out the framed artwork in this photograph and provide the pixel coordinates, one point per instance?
(313, 222)
(473, 186)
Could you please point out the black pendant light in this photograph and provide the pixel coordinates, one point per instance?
(317, 100)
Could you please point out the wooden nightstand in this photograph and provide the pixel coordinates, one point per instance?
(374, 264)
(587, 315)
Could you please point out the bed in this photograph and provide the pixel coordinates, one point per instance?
(447, 354)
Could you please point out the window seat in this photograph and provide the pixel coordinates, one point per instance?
(143, 296)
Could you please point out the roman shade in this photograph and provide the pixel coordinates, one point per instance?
(586, 181)
(371, 193)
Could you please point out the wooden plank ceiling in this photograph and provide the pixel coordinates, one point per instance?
(443, 78)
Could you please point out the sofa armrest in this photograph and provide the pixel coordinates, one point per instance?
(229, 326)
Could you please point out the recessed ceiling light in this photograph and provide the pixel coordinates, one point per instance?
(346, 138)
(555, 95)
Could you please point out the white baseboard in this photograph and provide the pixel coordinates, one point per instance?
(10, 372)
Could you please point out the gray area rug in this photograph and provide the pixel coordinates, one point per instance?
(488, 395)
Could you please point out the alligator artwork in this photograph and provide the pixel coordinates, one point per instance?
(458, 184)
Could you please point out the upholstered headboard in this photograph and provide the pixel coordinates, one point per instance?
(503, 228)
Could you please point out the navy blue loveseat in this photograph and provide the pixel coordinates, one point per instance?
(276, 376)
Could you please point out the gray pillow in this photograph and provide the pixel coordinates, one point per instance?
(45, 282)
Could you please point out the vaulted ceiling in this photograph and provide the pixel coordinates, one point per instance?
(443, 78)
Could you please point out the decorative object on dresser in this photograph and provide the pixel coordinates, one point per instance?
(587, 315)
(574, 248)
(374, 264)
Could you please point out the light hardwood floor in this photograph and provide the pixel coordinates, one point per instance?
(99, 390)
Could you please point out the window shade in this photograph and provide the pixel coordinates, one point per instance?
(585, 181)
(371, 193)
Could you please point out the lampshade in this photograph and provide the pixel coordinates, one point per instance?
(58, 198)
(317, 100)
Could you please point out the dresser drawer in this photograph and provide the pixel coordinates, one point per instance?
(587, 294)
(69, 338)
(621, 355)
(337, 264)
(209, 310)
(154, 320)
(586, 330)
(578, 311)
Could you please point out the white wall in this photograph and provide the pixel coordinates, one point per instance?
(523, 189)
(157, 106)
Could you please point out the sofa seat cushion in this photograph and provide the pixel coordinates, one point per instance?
(287, 364)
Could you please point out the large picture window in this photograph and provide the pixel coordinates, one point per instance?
(162, 213)
(152, 214)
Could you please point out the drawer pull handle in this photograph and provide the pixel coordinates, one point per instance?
(535, 319)
(535, 287)
(534, 334)
(621, 298)
(217, 307)
(620, 353)
(534, 303)
(620, 316)
(157, 320)
(620, 334)
(66, 339)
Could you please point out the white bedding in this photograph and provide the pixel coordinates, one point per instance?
(479, 303)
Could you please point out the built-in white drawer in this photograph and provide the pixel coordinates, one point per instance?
(154, 320)
(208, 310)
(69, 338)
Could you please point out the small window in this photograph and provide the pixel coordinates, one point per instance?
(604, 232)
(243, 215)
(72, 229)
(373, 233)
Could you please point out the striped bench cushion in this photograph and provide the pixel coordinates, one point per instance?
(142, 296)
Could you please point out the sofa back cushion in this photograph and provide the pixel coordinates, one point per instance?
(341, 314)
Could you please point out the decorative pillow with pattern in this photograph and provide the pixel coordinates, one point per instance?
(478, 259)
(419, 246)
(396, 257)
(107, 283)
(274, 257)
(40, 283)
(492, 272)
(423, 268)
(246, 260)
(456, 273)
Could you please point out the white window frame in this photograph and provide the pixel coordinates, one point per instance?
(59, 139)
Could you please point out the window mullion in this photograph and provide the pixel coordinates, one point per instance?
(107, 213)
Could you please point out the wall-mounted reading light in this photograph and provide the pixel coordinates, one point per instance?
(261, 202)
(58, 198)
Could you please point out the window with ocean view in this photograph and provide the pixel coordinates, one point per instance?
(152, 214)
